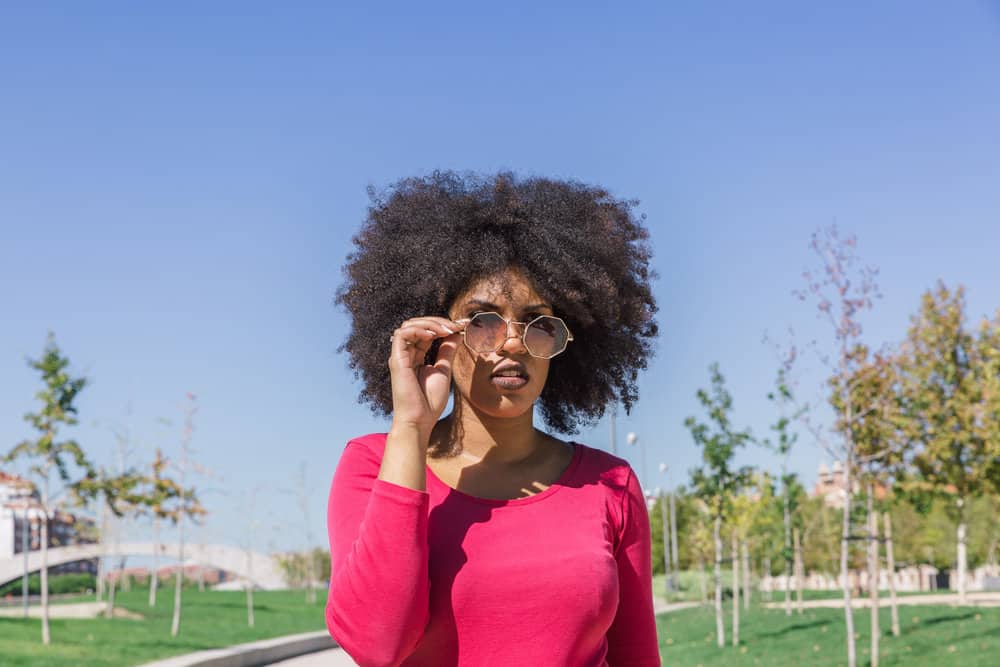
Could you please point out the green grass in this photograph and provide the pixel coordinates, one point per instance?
(209, 620)
(931, 637)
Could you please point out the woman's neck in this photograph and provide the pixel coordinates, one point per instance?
(477, 436)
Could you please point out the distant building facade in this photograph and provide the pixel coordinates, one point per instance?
(21, 517)
(830, 485)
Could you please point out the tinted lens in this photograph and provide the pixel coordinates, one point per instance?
(486, 332)
(546, 337)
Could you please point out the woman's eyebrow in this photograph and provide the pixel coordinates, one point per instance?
(493, 306)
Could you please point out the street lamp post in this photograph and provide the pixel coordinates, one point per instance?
(632, 438)
(614, 444)
(671, 543)
(25, 526)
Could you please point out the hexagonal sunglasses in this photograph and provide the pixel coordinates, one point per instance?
(543, 337)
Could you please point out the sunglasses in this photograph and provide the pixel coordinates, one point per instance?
(543, 337)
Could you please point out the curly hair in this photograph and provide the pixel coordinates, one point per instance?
(426, 239)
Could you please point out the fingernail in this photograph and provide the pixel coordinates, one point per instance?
(447, 329)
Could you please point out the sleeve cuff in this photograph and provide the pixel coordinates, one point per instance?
(400, 494)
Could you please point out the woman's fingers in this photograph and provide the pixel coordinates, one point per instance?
(439, 325)
(412, 340)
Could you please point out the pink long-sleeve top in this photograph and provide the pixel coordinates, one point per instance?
(440, 578)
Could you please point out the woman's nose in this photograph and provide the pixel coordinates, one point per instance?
(514, 344)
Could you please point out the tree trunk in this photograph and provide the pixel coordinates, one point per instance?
(873, 574)
(104, 543)
(720, 630)
(666, 548)
(746, 576)
(891, 567)
(44, 573)
(109, 609)
(175, 624)
(154, 580)
(704, 579)
(767, 573)
(962, 555)
(25, 548)
(249, 588)
(800, 573)
(788, 550)
(673, 542)
(845, 542)
(313, 577)
(736, 589)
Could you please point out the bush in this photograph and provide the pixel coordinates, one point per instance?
(58, 584)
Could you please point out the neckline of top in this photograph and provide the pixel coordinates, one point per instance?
(565, 477)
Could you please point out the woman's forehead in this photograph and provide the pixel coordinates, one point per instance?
(512, 286)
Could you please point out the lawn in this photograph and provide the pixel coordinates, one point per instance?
(930, 636)
(209, 620)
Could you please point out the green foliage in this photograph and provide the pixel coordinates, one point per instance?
(57, 411)
(58, 584)
(875, 425)
(950, 390)
(300, 567)
(717, 481)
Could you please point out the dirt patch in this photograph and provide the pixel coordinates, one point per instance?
(72, 610)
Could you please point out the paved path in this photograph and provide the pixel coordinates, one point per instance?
(991, 599)
(335, 657)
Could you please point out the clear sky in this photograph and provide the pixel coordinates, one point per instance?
(179, 185)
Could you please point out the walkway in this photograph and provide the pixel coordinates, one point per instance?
(991, 599)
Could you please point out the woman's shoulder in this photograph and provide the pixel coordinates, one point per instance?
(372, 441)
(605, 467)
(363, 451)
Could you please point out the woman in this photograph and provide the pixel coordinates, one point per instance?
(476, 538)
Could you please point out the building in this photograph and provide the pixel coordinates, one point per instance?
(21, 518)
(830, 485)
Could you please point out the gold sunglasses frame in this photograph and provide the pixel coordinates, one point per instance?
(524, 330)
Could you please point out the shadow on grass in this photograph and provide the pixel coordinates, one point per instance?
(938, 620)
(793, 628)
(992, 632)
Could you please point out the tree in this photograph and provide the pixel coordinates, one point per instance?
(879, 447)
(717, 481)
(842, 290)
(47, 451)
(123, 495)
(186, 505)
(165, 502)
(951, 390)
(783, 397)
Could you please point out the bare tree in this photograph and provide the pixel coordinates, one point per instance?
(187, 505)
(304, 494)
(842, 290)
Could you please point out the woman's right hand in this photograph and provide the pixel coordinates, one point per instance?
(419, 391)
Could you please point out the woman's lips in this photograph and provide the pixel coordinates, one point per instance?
(509, 382)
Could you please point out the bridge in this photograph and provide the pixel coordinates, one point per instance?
(266, 573)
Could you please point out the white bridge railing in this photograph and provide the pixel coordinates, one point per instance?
(266, 573)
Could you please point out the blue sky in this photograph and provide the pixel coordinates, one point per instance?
(179, 187)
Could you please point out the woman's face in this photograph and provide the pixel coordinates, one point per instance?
(484, 380)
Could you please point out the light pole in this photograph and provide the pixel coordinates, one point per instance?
(632, 438)
(672, 521)
(614, 444)
(25, 545)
